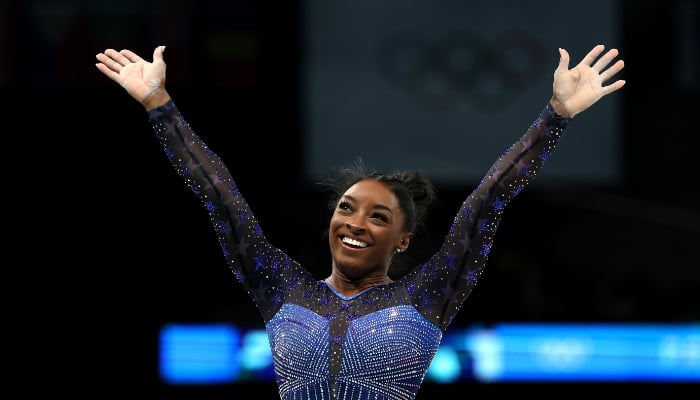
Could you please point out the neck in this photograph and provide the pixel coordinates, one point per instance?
(349, 287)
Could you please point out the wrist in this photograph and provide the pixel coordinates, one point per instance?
(559, 108)
(156, 100)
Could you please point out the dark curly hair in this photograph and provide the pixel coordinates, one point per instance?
(415, 193)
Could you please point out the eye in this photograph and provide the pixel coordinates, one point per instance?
(344, 205)
(380, 217)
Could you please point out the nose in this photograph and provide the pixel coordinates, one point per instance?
(352, 227)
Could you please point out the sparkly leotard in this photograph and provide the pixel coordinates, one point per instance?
(379, 343)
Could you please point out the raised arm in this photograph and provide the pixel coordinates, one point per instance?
(448, 277)
(260, 267)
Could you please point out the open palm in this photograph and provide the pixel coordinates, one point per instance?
(578, 88)
(143, 80)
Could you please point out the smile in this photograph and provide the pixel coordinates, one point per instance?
(354, 242)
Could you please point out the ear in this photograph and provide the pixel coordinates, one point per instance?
(405, 241)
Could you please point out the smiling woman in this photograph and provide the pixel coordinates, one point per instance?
(377, 212)
(361, 333)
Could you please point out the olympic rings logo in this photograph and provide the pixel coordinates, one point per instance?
(461, 66)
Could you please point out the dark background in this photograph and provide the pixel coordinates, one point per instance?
(116, 246)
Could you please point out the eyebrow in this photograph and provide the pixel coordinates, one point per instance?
(379, 206)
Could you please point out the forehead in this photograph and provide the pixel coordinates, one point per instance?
(370, 190)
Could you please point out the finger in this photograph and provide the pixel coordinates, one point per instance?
(612, 71)
(107, 71)
(102, 57)
(115, 57)
(613, 86)
(131, 56)
(108, 62)
(592, 55)
(605, 60)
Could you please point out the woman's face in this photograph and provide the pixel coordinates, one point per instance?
(366, 229)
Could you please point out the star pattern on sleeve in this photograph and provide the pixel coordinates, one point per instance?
(485, 249)
(499, 204)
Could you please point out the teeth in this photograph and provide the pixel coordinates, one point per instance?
(354, 242)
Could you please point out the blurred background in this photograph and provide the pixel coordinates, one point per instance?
(286, 91)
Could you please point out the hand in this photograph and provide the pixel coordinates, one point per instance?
(143, 80)
(574, 90)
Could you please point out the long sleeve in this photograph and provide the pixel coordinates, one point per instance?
(257, 265)
(440, 286)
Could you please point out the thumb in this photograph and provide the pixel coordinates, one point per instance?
(158, 54)
(563, 60)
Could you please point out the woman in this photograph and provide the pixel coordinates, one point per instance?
(365, 331)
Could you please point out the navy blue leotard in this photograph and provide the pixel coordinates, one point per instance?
(379, 343)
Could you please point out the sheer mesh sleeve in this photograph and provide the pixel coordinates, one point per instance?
(441, 285)
(258, 266)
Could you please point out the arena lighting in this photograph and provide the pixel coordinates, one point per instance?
(209, 354)
(200, 353)
(585, 352)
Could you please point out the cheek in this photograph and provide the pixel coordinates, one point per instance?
(391, 239)
(334, 223)
(387, 240)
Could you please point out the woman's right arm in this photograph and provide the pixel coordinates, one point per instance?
(256, 264)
